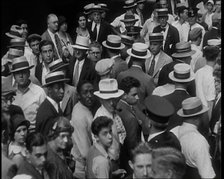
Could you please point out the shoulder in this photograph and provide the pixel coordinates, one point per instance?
(101, 161)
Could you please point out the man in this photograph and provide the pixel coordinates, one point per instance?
(81, 68)
(167, 162)
(81, 120)
(127, 111)
(28, 95)
(98, 29)
(36, 164)
(95, 52)
(47, 54)
(155, 63)
(129, 21)
(139, 10)
(166, 4)
(141, 161)
(158, 110)
(194, 146)
(51, 107)
(170, 33)
(113, 47)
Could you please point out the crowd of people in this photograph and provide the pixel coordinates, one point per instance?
(132, 98)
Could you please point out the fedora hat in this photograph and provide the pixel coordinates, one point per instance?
(127, 40)
(156, 37)
(15, 32)
(81, 43)
(182, 73)
(14, 53)
(57, 65)
(129, 4)
(18, 42)
(108, 88)
(33, 37)
(158, 108)
(192, 107)
(139, 50)
(113, 42)
(87, 8)
(7, 88)
(19, 64)
(183, 49)
(55, 77)
(162, 12)
(129, 18)
(133, 30)
(104, 66)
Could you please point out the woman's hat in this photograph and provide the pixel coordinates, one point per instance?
(108, 88)
(129, 4)
(139, 50)
(182, 73)
(104, 66)
(19, 64)
(55, 77)
(113, 42)
(192, 107)
(129, 18)
(183, 49)
(57, 65)
(19, 120)
(81, 43)
(15, 32)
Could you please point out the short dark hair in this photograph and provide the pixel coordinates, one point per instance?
(181, 9)
(45, 43)
(211, 53)
(127, 83)
(99, 123)
(80, 14)
(61, 21)
(141, 148)
(80, 84)
(34, 140)
(96, 44)
(19, 22)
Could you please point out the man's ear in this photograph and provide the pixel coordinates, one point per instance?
(97, 138)
(130, 164)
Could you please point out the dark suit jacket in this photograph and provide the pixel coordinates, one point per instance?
(104, 31)
(211, 34)
(119, 66)
(171, 39)
(45, 117)
(38, 72)
(165, 139)
(216, 114)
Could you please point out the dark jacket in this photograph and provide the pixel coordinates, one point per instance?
(211, 34)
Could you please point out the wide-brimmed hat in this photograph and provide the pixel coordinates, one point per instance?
(55, 77)
(108, 88)
(96, 8)
(127, 40)
(57, 65)
(19, 64)
(14, 53)
(139, 50)
(129, 4)
(133, 30)
(113, 42)
(103, 6)
(87, 8)
(158, 108)
(17, 42)
(156, 37)
(141, 1)
(19, 120)
(15, 32)
(195, 33)
(104, 66)
(162, 12)
(129, 18)
(192, 107)
(214, 42)
(182, 73)
(183, 49)
(33, 37)
(7, 88)
(81, 43)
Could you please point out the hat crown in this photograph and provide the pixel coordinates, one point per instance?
(17, 40)
(82, 41)
(214, 42)
(162, 11)
(15, 52)
(190, 103)
(104, 65)
(55, 62)
(108, 85)
(129, 2)
(54, 74)
(182, 68)
(156, 37)
(21, 59)
(129, 16)
(210, 1)
(140, 47)
(182, 45)
(88, 6)
(114, 39)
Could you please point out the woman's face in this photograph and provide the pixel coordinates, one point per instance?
(20, 134)
(82, 22)
(64, 27)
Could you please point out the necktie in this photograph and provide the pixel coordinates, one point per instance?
(59, 110)
(95, 32)
(163, 29)
(58, 44)
(120, 128)
(76, 74)
(37, 59)
(151, 69)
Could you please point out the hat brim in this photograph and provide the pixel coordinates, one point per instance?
(109, 95)
(185, 54)
(56, 81)
(60, 67)
(12, 36)
(128, 7)
(80, 47)
(191, 78)
(180, 112)
(142, 57)
(20, 69)
(115, 48)
(128, 20)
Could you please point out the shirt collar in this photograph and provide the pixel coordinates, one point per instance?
(115, 56)
(29, 87)
(154, 135)
(51, 34)
(101, 149)
(53, 102)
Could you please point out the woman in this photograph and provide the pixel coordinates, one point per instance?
(18, 135)
(81, 29)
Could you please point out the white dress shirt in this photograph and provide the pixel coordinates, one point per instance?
(54, 103)
(45, 71)
(81, 62)
(183, 30)
(97, 28)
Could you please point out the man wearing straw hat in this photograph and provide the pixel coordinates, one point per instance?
(28, 95)
(194, 146)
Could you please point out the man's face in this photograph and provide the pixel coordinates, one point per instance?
(25, 30)
(57, 91)
(34, 45)
(96, 17)
(155, 47)
(105, 137)
(62, 140)
(163, 3)
(142, 166)
(86, 95)
(47, 53)
(141, 6)
(38, 156)
(184, 15)
(64, 27)
(132, 96)
(22, 77)
(192, 20)
(94, 54)
(20, 134)
(53, 23)
(218, 5)
(80, 53)
(110, 104)
(82, 21)
(209, 7)
(163, 20)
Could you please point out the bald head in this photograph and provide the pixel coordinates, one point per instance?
(52, 23)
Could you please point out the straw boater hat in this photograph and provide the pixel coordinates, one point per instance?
(19, 64)
(33, 37)
(129, 4)
(87, 8)
(139, 50)
(129, 18)
(14, 53)
(57, 65)
(127, 40)
(113, 42)
(214, 42)
(182, 73)
(133, 30)
(15, 32)
(55, 77)
(104, 66)
(96, 8)
(18, 42)
(192, 107)
(156, 37)
(163, 12)
(108, 88)
(183, 49)
(81, 43)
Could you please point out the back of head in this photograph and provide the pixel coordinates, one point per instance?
(127, 83)
(211, 53)
(141, 148)
(34, 140)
